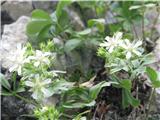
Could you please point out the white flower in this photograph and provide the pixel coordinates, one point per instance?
(39, 86)
(40, 57)
(18, 59)
(131, 48)
(112, 42)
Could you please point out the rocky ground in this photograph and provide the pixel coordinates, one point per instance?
(14, 17)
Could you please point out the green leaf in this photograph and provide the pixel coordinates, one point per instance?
(71, 44)
(60, 6)
(78, 97)
(150, 5)
(99, 23)
(39, 20)
(126, 84)
(84, 32)
(6, 93)
(148, 59)
(20, 89)
(128, 99)
(78, 104)
(135, 7)
(152, 74)
(60, 86)
(94, 91)
(114, 70)
(4, 82)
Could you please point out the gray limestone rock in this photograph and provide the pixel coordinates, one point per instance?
(17, 8)
(13, 35)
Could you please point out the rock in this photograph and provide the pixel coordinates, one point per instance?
(17, 8)
(75, 19)
(157, 64)
(13, 35)
(49, 6)
(157, 55)
(13, 108)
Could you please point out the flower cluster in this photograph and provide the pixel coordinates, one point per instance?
(39, 85)
(116, 42)
(18, 59)
(34, 66)
(47, 113)
(121, 54)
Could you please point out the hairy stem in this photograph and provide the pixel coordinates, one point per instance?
(154, 23)
(24, 99)
(149, 104)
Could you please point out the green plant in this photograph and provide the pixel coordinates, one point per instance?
(47, 113)
(154, 78)
(35, 61)
(123, 55)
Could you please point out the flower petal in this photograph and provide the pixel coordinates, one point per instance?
(46, 92)
(29, 83)
(111, 49)
(19, 70)
(128, 55)
(47, 81)
(36, 64)
(138, 44)
(118, 36)
(137, 52)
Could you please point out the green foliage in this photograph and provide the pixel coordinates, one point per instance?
(128, 99)
(39, 25)
(4, 82)
(10, 87)
(94, 91)
(60, 6)
(99, 23)
(122, 54)
(71, 44)
(80, 97)
(47, 113)
(154, 77)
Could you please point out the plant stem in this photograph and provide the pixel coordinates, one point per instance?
(24, 99)
(134, 29)
(143, 10)
(154, 23)
(149, 104)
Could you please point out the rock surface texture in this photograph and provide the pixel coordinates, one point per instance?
(157, 54)
(13, 35)
(17, 8)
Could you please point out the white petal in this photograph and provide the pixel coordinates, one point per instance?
(19, 47)
(111, 49)
(31, 58)
(36, 64)
(47, 81)
(138, 44)
(104, 44)
(128, 55)
(59, 71)
(137, 52)
(118, 36)
(46, 61)
(19, 70)
(46, 92)
(47, 54)
(107, 38)
(127, 42)
(35, 95)
(29, 83)
(13, 68)
(38, 53)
